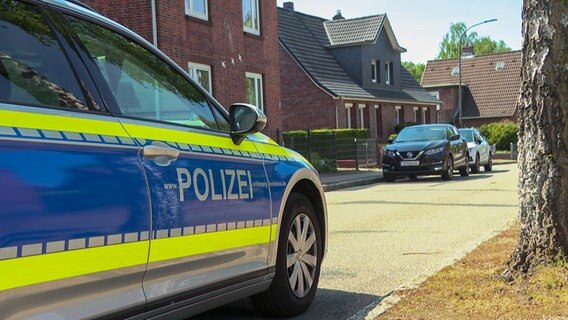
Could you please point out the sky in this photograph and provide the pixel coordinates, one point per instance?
(420, 25)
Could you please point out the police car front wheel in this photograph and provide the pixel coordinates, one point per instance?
(298, 261)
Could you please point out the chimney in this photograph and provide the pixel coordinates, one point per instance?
(338, 16)
(468, 52)
(289, 6)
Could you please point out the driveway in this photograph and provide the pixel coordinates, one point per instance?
(389, 235)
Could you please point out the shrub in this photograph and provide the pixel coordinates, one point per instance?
(501, 134)
(323, 164)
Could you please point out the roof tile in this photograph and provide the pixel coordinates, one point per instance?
(489, 92)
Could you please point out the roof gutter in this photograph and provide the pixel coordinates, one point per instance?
(394, 101)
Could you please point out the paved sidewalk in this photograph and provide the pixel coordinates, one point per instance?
(348, 179)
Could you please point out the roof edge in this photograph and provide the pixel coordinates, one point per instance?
(312, 78)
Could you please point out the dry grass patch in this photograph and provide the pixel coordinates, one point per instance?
(473, 289)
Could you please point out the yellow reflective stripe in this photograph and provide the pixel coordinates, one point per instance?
(61, 265)
(60, 123)
(170, 135)
(273, 149)
(177, 247)
(273, 232)
(19, 272)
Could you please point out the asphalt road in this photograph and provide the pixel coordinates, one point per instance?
(388, 235)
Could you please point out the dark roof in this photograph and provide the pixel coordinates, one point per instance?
(489, 92)
(353, 31)
(306, 39)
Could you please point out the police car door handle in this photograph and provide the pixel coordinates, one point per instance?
(160, 153)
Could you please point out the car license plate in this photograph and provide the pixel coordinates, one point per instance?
(415, 163)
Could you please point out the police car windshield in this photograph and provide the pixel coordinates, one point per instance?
(419, 133)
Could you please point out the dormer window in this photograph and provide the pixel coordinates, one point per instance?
(455, 71)
(389, 76)
(499, 66)
(375, 74)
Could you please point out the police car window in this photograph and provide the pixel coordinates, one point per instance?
(144, 86)
(33, 68)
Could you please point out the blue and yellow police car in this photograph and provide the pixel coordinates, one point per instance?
(127, 191)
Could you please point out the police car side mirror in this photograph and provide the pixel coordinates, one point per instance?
(245, 119)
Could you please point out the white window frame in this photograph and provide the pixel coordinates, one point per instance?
(257, 87)
(348, 107)
(192, 67)
(397, 110)
(362, 115)
(255, 22)
(388, 66)
(374, 69)
(190, 12)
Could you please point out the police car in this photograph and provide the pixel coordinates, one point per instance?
(126, 191)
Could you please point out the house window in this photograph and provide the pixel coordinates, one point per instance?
(201, 73)
(389, 77)
(251, 16)
(348, 107)
(254, 90)
(196, 8)
(374, 71)
(398, 111)
(424, 113)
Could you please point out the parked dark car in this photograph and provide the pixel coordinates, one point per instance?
(435, 149)
(480, 151)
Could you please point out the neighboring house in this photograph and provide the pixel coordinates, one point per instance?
(490, 87)
(229, 47)
(346, 73)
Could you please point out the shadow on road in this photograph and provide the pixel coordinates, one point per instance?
(328, 304)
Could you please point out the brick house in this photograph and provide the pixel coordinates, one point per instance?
(346, 73)
(229, 47)
(490, 87)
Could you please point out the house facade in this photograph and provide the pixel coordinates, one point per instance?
(490, 87)
(346, 73)
(229, 47)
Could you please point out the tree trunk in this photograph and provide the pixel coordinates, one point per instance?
(543, 137)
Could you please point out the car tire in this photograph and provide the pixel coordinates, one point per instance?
(412, 177)
(476, 166)
(464, 171)
(286, 296)
(389, 177)
(489, 166)
(449, 171)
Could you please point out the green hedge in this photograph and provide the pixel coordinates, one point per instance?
(501, 134)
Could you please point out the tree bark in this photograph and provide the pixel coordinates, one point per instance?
(543, 137)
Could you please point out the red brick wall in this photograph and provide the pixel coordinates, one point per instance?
(306, 105)
(449, 98)
(220, 39)
(134, 14)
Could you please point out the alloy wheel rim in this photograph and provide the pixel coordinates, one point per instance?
(450, 168)
(301, 255)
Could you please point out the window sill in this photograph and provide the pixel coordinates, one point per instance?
(249, 33)
(198, 19)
